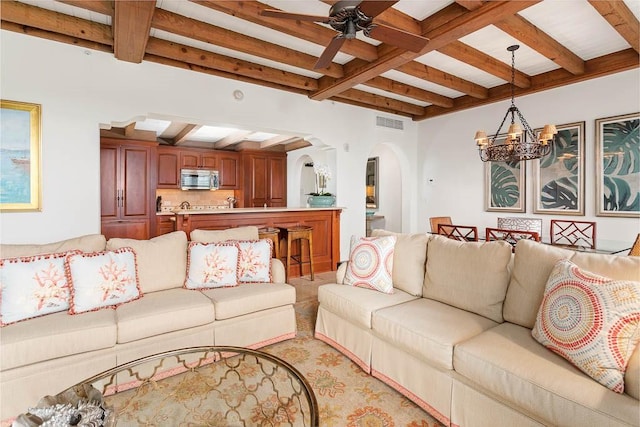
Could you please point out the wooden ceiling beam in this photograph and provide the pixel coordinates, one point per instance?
(409, 91)
(373, 100)
(185, 133)
(598, 67)
(484, 62)
(314, 33)
(425, 72)
(441, 36)
(131, 25)
(204, 58)
(621, 18)
(104, 7)
(43, 19)
(198, 30)
(53, 36)
(523, 30)
(232, 139)
(301, 143)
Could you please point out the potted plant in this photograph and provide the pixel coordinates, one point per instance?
(321, 198)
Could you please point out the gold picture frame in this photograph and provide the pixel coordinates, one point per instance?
(20, 171)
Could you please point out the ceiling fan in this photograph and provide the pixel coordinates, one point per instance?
(350, 16)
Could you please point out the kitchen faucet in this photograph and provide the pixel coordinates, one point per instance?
(185, 205)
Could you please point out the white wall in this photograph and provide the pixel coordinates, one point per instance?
(448, 155)
(390, 188)
(80, 91)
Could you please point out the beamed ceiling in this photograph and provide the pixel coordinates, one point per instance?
(464, 64)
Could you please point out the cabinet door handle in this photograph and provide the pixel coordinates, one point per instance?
(118, 198)
(122, 198)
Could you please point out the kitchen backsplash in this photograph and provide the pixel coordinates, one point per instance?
(172, 198)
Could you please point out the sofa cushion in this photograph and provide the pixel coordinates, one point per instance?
(212, 265)
(371, 263)
(161, 312)
(409, 258)
(494, 360)
(590, 320)
(358, 304)
(468, 275)
(428, 329)
(162, 260)
(533, 262)
(254, 263)
(250, 298)
(87, 243)
(56, 335)
(102, 279)
(32, 286)
(212, 236)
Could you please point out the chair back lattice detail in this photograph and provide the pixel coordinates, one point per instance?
(515, 223)
(437, 220)
(510, 236)
(635, 249)
(459, 232)
(573, 233)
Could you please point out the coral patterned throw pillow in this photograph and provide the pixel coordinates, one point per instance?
(212, 265)
(590, 320)
(32, 287)
(254, 265)
(102, 279)
(371, 263)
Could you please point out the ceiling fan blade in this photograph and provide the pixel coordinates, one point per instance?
(330, 52)
(373, 8)
(275, 13)
(399, 38)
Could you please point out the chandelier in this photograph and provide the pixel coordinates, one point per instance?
(520, 143)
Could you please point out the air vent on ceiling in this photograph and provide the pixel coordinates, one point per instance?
(389, 123)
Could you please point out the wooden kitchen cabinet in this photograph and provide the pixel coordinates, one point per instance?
(265, 179)
(165, 224)
(168, 167)
(127, 188)
(198, 159)
(229, 167)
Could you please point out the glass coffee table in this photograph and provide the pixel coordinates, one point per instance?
(212, 386)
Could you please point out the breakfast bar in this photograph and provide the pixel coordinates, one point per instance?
(325, 223)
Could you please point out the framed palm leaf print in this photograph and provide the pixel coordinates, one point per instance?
(558, 178)
(504, 186)
(618, 166)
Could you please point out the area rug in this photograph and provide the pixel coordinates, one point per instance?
(347, 396)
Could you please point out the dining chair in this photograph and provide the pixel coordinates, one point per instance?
(635, 249)
(573, 233)
(437, 220)
(517, 223)
(459, 232)
(510, 236)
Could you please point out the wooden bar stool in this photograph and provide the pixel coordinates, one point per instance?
(272, 233)
(291, 234)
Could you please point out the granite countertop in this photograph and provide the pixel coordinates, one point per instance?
(239, 210)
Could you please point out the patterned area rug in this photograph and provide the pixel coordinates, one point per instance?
(347, 396)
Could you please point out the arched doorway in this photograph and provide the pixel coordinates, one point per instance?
(388, 211)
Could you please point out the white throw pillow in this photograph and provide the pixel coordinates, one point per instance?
(590, 320)
(371, 263)
(102, 279)
(254, 265)
(32, 287)
(212, 265)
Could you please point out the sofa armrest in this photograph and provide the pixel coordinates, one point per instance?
(342, 270)
(277, 271)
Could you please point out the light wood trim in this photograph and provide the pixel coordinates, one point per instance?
(131, 25)
(620, 17)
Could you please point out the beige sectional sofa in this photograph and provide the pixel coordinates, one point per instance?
(456, 335)
(47, 354)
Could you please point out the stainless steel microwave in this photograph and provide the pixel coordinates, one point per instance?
(199, 179)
